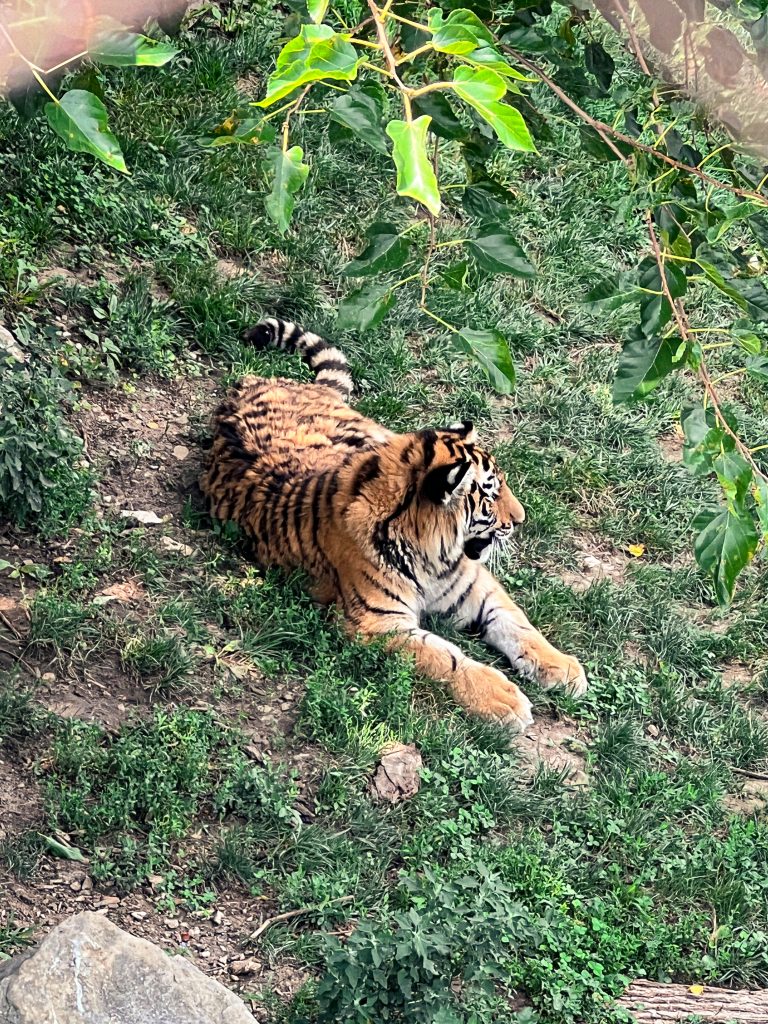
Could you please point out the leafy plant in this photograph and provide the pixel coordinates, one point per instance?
(78, 115)
(408, 80)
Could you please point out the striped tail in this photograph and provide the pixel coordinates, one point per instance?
(329, 363)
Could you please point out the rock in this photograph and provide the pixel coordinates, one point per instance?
(10, 348)
(181, 452)
(652, 730)
(89, 971)
(175, 545)
(141, 517)
(591, 563)
(171, 923)
(110, 901)
(247, 966)
(398, 776)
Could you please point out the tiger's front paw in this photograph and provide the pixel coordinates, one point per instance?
(559, 669)
(488, 693)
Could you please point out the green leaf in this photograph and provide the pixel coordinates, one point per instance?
(642, 364)
(128, 49)
(495, 250)
(614, 292)
(757, 366)
(289, 175)
(705, 439)
(483, 90)
(62, 850)
(655, 310)
(726, 543)
(464, 35)
(361, 110)
(593, 144)
(760, 493)
(459, 34)
(316, 53)
(250, 131)
(80, 118)
(749, 294)
(490, 350)
(317, 9)
(487, 200)
(748, 340)
(444, 121)
(415, 173)
(456, 277)
(386, 250)
(599, 63)
(365, 307)
(734, 474)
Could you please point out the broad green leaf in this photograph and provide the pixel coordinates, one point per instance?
(750, 294)
(316, 53)
(458, 34)
(361, 110)
(614, 292)
(128, 49)
(365, 307)
(748, 340)
(757, 366)
(250, 131)
(463, 34)
(80, 118)
(456, 277)
(655, 310)
(289, 175)
(734, 474)
(642, 364)
(490, 350)
(317, 9)
(444, 121)
(599, 63)
(593, 144)
(726, 543)
(705, 439)
(386, 250)
(760, 493)
(483, 90)
(415, 173)
(495, 250)
(62, 850)
(487, 200)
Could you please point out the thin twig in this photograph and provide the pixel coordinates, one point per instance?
(289, 914)
(7, 622)
(703, 373)
(639, 55)
(749, 775)
(291, 111)
(605, 129)
(389, 57)
(432, 226)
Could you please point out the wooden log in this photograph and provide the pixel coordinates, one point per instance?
(651, 1002)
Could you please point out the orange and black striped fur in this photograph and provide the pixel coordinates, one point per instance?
(389, 526)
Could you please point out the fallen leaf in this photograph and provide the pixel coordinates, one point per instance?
(153, 425)
(696, 990)
(636, 550)
(175, 545)
(398, 776)
(122, 592)
(62, 850)
(139, 516)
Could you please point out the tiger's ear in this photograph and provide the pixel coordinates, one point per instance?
(447, 482)
(465, 430)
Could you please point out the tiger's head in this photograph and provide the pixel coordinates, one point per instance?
(463, 485)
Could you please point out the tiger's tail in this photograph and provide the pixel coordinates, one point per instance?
(328, 362)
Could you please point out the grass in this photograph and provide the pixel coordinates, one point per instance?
(513, 881)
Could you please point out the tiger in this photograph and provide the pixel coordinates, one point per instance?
(388, 526)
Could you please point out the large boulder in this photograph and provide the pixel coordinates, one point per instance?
(89, 971)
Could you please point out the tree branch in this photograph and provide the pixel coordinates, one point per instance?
(605, 129)
(703, 373)
(389, 57)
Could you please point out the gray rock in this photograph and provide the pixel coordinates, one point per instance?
(89, 971)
